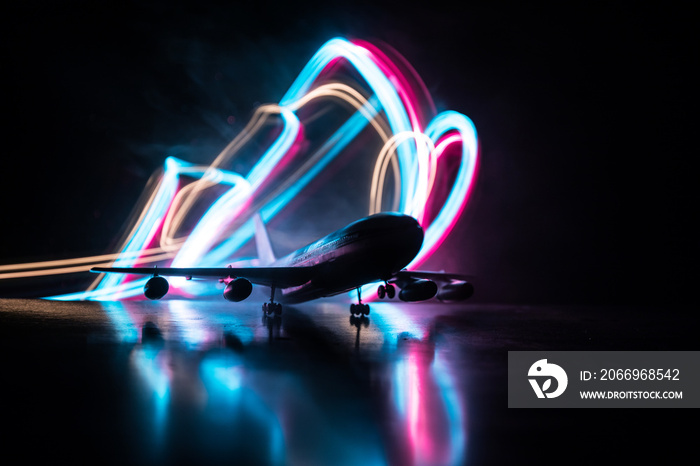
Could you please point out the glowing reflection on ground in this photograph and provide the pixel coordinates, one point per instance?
(314, 386)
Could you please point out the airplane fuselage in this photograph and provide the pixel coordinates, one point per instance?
(377, 248)
(368, 250)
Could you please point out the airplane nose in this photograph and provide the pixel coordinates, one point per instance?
(404, 222)
(409, 237)
(410, 222)
(415, 231)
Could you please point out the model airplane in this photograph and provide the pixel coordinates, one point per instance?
(373, 249)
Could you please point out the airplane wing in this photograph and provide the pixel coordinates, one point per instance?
(268, 276)
(440, 277)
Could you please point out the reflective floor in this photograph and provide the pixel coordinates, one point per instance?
(209, 382)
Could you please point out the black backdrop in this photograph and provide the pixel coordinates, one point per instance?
(584, 193)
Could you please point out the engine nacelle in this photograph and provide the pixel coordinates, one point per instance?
(156, 287)
(456, 291)
(418, 290)
(238, 290)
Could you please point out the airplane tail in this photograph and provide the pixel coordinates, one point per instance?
(262, 242)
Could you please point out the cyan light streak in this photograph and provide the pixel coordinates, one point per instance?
(278, 149)
(229, 394)
(383, 88)
(151, 220)
(439, 228)
(457, 199)
(149, 364)
(455, 409)
(201, 239)
(332, 148)
(153, 217)
(420, 387)
(391, 99)
(113, 293)
(421, 376)
(193, 334)
(122, 322)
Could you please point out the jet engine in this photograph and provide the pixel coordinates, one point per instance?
(238, 290)
(156, 287)
(418, 290)
(455, 291)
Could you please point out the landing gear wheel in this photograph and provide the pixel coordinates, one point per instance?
(272, 307)
(390, 291)
(359, 308)
(381, 291)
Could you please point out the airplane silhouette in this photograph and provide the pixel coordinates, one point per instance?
(373, 249)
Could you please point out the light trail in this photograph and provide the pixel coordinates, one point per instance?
(411, 140)
(387, 155)
(59, 267)
(389, 99)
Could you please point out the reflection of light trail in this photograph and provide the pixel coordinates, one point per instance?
(386, 100)
(230, 396)
(455, 408)
(426, 400)
(193, 333)
(151, 364)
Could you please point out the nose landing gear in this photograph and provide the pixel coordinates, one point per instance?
(359, 308)
(272, 307)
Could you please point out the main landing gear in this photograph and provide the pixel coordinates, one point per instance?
(359, 308)
(389, 291)
(272, 307)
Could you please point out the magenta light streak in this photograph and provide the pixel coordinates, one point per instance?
(439, 150)
(408, 112)
(409, 102)
(403, 88)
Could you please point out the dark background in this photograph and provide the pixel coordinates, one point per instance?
(582, 113)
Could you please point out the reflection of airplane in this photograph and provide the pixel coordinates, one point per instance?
(373, 249)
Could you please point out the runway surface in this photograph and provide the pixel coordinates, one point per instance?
(211, 382)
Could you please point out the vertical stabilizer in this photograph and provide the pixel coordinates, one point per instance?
(262, 242)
